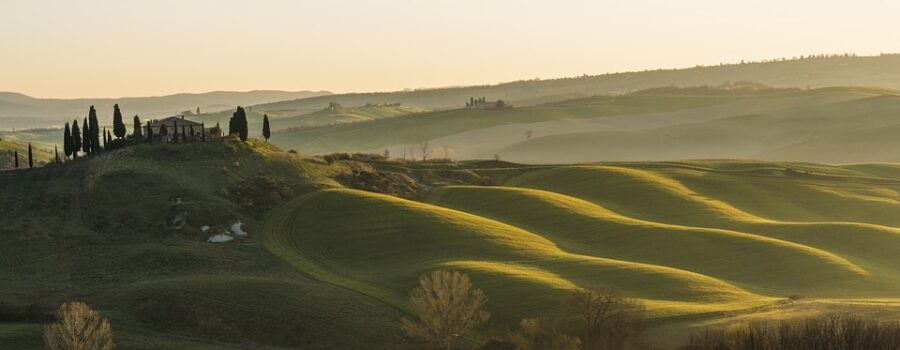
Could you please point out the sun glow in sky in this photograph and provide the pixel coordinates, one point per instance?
(114, 48)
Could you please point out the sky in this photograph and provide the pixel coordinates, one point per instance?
(115, 48)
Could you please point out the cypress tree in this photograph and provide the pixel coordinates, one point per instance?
(240, 123)
(266, 132)
(30, 157)
(76, 139)
(149, 133)
(16, 158)
(163, 131)
(95, 130)
(86, 137)
(68, 144)
(231, 128)
(137, 133)
(118, 124)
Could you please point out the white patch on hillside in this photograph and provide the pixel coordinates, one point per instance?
(236, 228)
(220, 238)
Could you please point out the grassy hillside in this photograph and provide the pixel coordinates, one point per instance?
(333, 250)
(658, 231)
(292, 119)
(8, 148)
(123, 231)
(830, 125)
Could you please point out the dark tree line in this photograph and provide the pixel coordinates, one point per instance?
(84, 138)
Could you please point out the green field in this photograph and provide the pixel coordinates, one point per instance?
(330, 256)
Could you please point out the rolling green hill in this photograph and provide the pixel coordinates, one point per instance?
(333, 249)
(736, 121)
(292, 119)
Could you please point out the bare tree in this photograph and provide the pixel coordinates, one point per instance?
(447, 307)
(609, 318)
(423, 146)
(77, 327)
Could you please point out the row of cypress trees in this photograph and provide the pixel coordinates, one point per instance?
(30, 157)
(86, 139)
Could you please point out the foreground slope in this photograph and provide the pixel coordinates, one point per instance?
(333, 249)
(657, 231)
(123, 231)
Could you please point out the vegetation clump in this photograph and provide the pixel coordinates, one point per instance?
(78, 327)
(842, 332)
(447, 306)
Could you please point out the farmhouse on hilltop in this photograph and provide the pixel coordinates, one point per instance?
(184, 127)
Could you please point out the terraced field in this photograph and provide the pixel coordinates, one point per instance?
(699, 241)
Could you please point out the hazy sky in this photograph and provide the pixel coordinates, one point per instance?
(112, 48)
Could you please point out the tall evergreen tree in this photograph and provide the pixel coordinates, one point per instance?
(163, 131)
(149, 133)
(137, 133)
(240, 124)
(231, 125)
(118, 124)
(68, 143)
(95, 131)
(266, 132)
(76, 139)
(30, 157)
(86, 137)
(16, 158)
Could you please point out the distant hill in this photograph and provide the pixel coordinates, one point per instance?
(745, 121)
(878, 71)
(20, 111)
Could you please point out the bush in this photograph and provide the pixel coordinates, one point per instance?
(609, 319)
(77, 327)
(447, 306)
(839, 332)
(331, 158)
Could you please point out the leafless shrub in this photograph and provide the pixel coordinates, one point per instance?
(77, 327)
(447, 307)
(609, 319)
(832, 332)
